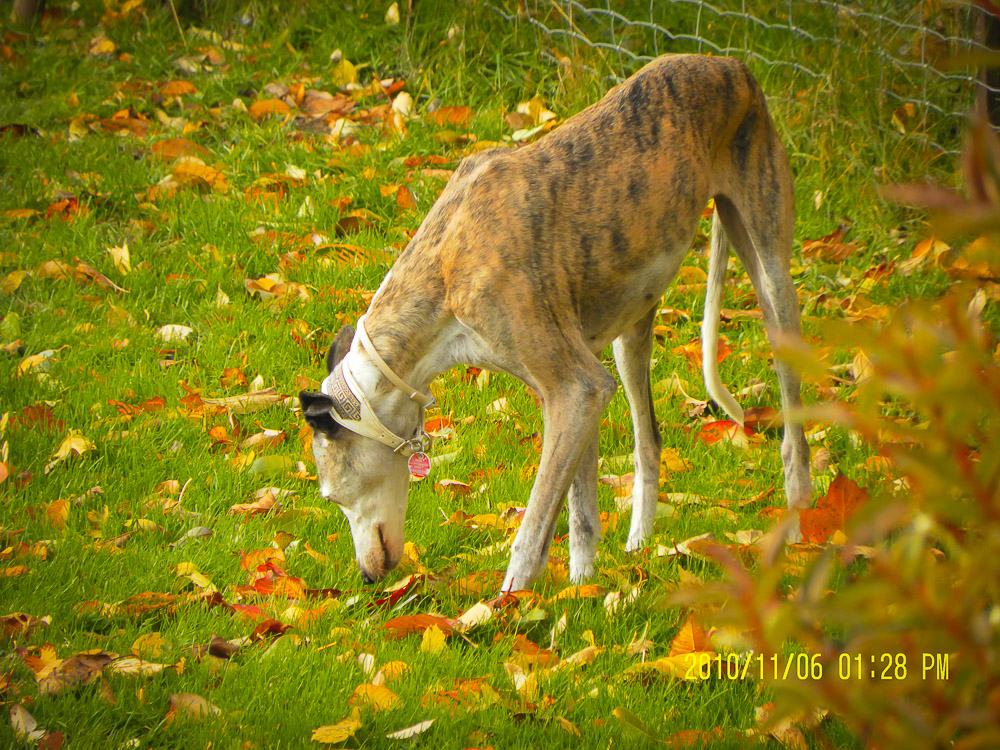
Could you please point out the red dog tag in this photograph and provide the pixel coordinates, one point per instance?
(419, 465)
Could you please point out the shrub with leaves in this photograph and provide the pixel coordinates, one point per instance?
(902, 618)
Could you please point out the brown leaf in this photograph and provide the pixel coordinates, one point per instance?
(19, 624)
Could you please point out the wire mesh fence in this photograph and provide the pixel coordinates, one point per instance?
(909, 65)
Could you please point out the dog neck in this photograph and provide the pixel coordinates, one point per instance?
(415, 338)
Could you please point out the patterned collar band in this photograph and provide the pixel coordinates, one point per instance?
(366, 343)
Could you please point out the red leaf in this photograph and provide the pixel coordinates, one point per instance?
(723, 429)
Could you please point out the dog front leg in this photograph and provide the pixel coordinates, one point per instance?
(571, 412)
(584, 516)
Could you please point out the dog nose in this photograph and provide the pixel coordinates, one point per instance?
(368, 579)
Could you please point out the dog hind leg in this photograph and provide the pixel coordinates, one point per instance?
(763, 244)
(632, 351)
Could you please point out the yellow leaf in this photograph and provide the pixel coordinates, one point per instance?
(120, 257)
(14, 571)
(376, 697)
(333, 733)
(101, 45)
(862, 367)
(434, 641)
(344, 71)
(19, 213)
(151, 645)
(390, 671)
(12, 281)
(189, 571)
(40, 362)
(74, 444)
(475, 615)
(583, 656)
(671, 461)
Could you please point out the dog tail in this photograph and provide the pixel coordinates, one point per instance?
(718, 259)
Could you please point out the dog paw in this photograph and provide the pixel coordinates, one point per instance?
(580, 573)
(794, 535)
(635, 543)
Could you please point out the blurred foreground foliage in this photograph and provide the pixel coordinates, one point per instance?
(909, 642)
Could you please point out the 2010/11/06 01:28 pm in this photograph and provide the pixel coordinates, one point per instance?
(803, 666)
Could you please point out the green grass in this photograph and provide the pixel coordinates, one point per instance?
(186, 248)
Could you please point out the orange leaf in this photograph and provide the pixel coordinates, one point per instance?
(723, 429)
(405, 199)
(405, 624)
(586, 591)
(57, 512)
(451, 115)
(178, 88)
(173, 148)
(260, 109)
(691, 639)
(832, 511)
(200, 175)
(692, 352)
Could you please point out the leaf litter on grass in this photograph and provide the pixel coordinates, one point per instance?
(308, 228)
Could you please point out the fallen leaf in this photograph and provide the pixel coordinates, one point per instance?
(411, 731)
(332, 734)
(264, 107)
(172, 333)
(19, 624)
(690, 639)
(74, 444)
(434, 640)
(149, 644)
(406, 624)
(189, 706)
(832, 512)
(633, 725)
(24, 724)
(376, 697)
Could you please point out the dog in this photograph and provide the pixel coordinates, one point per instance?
(531, 262)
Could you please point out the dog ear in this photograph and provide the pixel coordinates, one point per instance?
(340, 346)
(316, 409)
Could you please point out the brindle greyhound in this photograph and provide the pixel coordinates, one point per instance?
(531, 262)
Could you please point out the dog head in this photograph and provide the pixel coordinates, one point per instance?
(365, 478)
